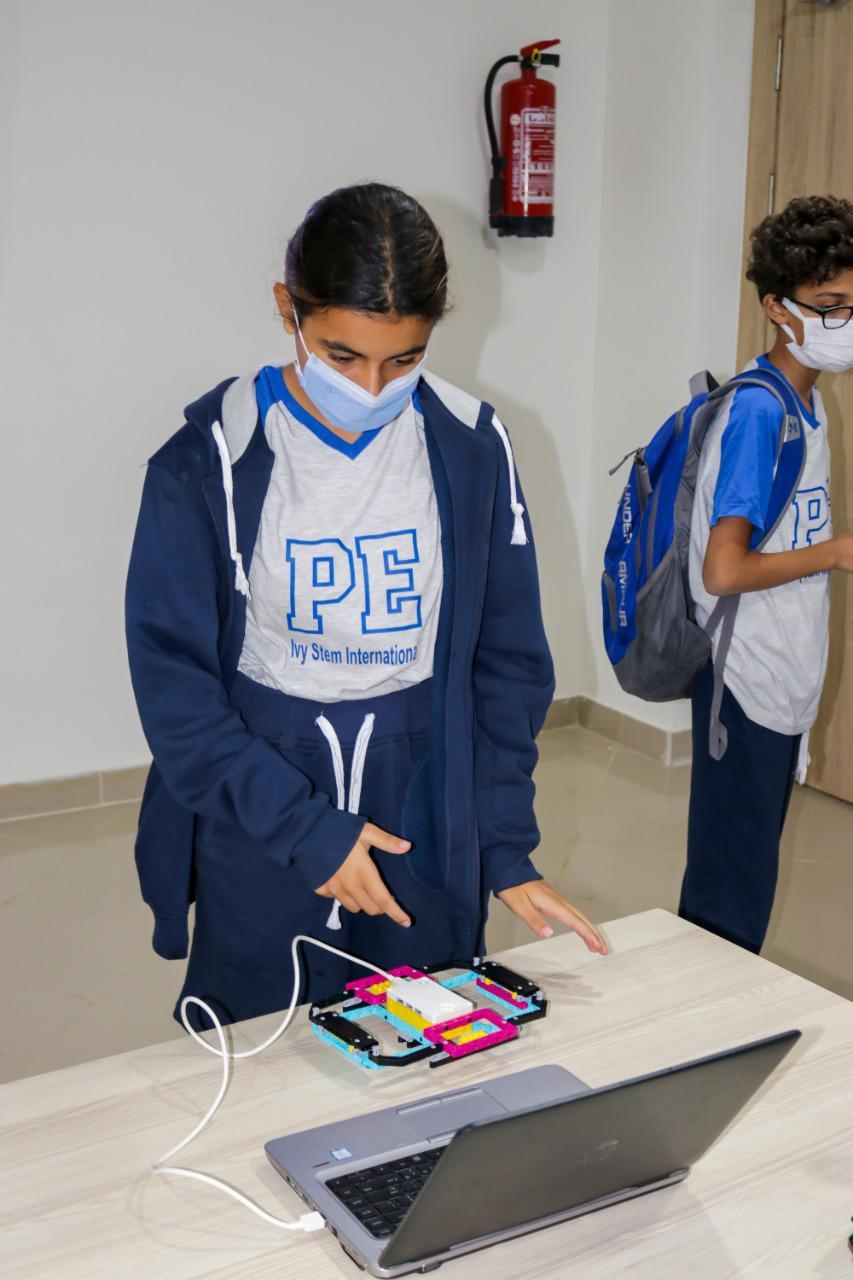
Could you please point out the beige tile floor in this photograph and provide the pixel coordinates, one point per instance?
(80, 980)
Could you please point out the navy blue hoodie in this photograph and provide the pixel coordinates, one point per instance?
(185, 616)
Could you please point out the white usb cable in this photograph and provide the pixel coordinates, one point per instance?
(308, 1221)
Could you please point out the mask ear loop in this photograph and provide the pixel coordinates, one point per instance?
(792, 307)
(301, 337)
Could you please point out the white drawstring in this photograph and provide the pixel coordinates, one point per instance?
(519, 533)
(803, 759)
(241, 582)
(328, 732)
(359, 756)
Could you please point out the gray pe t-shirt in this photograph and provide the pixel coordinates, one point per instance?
(346, 573)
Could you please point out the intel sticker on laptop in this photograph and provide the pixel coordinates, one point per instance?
(341, 1153)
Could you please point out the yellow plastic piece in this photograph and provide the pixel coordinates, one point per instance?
(455, 1033)
(465, 1034)
(406, 1015)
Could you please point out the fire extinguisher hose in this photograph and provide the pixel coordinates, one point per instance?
(498, 161)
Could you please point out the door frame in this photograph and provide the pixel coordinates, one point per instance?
(767, 53)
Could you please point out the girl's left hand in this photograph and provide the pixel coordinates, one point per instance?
(532, 901)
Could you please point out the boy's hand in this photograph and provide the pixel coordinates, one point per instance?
(532, 901)
(842, 546)
(357, 884)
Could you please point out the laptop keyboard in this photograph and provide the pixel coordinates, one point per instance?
(380, 1197)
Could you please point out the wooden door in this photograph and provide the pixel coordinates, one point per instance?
(801, 143)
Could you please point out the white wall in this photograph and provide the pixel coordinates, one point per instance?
(675, 139)
(156, 157)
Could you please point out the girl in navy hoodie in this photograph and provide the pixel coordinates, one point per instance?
(336, 642)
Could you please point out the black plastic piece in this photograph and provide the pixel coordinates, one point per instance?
(402, 1060)
(350, 1033)
(444, 964)
(507, 978)
(531, 1016)
(338, 998)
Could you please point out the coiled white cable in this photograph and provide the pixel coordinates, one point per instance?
(308, 1221)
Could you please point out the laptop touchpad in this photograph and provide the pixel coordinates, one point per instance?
(438, 1116)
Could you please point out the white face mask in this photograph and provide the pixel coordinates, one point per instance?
(828, 349)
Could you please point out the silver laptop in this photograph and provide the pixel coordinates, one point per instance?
(409, 1187)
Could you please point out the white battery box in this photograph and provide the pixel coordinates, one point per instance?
(429, 999)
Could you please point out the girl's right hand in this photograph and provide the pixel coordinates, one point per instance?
(357, 884)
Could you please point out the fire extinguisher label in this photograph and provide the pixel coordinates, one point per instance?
(532, 160)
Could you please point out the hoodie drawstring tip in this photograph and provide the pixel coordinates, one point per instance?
(241, 582)
(519, 533)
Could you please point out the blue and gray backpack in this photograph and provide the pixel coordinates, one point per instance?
(652, 638)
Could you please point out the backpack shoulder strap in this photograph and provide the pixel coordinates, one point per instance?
(790, 451)
(790, 460)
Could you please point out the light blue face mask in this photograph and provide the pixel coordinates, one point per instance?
(347, 405)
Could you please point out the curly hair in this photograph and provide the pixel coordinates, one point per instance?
(809, 242)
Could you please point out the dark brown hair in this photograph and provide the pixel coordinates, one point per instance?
(809, 242)
(370, 248)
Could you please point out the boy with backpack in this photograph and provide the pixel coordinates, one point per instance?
(725, 532)
(802, 267)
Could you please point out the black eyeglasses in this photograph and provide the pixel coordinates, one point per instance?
(832, 317)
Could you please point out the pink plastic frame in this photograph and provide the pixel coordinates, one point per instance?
(503, 1031)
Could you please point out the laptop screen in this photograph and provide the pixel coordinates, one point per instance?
(521, 1168)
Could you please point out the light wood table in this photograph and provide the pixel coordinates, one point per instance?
(772, 1199)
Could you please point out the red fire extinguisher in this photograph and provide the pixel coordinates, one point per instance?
(521, 192)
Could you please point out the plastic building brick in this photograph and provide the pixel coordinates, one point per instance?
(496, 1005)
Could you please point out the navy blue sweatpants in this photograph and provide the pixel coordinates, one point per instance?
(249, 905)
(737, 811)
